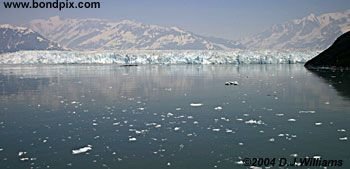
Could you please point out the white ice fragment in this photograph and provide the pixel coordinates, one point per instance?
(218, 108)
(271, 140)
(195, 122)
(343, 138)
(294, 155)
(292, 120)
(21, 153)
(317, 157)
(318, 123)
(326, 103)
(82, 149)
(229, 131)
(158, 126)
(176, 128)
(216, 130)
(178, 109)
(279, 114)
(341, 130)
(196, 104)
(168, 164)
(307, 111)
(251, 121)
(132, 139)
(240, 162)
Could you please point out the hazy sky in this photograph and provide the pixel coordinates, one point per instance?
(229, 19)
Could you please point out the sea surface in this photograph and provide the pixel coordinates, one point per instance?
(177, 116)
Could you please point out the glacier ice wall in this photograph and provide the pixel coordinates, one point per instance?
(159, 57)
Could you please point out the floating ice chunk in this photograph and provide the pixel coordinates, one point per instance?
(158, 126)
(178, 109)
(239, 119)
(168, 164)
(231, 83)
(241, 144)
(271, 140)
(343, 138)
(170, 114)
(341, 130)
(280, 114)
(239, 162)
(281, 135)
(195, 122)
(318, 123)
(229, 131)
(82, 149)
(292, 120)
(307, 111)
(317, 157)
(21, 153)
(181, 146)
(234, 83)
(24, 159)
(196, 104)
(294, 155)
(218, 108)
(216, 130)
(132, 139)
(251, 121)
(176, 128)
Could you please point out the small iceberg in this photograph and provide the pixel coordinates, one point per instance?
(176, 128)
(196, 104)
(343, 138)
(82, 149)
(132, 139)
(235, 83)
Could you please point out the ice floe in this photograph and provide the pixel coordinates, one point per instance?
(343, 138)
(196, 104)
(82, 149)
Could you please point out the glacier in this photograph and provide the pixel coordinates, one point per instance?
(160, 57)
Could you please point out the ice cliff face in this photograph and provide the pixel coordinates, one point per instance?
(98, 34)
(159, 57)
(13, 38)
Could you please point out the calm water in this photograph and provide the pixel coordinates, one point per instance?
(141, 117)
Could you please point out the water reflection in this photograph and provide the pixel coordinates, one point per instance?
(339, 79)
(142, 116)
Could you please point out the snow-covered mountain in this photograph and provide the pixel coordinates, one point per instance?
(317, 32)
(14, 38)
(94, 34)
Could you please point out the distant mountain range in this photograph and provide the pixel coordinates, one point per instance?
(14, 38)
(310, 32)
(94, 34)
